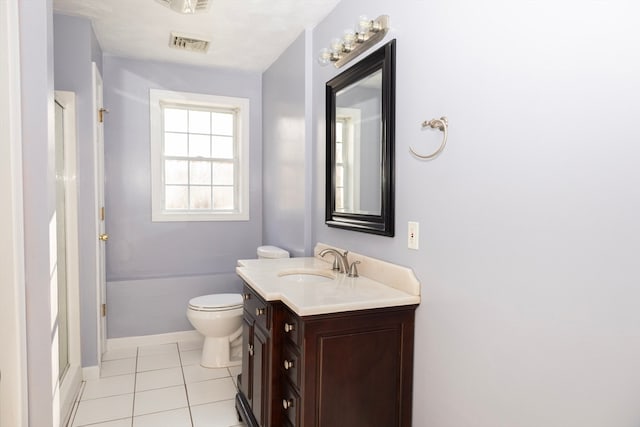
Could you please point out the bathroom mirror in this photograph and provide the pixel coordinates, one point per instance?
(360, 126)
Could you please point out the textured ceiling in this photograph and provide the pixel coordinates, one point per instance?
(244, 34)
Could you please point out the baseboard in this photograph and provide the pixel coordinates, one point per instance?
(128, 342)
(90, 373)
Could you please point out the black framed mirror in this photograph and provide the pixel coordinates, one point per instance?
(360, 126)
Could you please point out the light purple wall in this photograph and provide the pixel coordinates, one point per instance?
(529, 233)
(139, 250)
(283, 91)
(74, 50)
(38, 147)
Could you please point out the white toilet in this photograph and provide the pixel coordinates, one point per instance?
(219, 318)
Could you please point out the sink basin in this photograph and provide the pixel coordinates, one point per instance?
(307, 275)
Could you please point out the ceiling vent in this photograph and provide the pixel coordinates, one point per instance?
(184, 42)
(187, 6)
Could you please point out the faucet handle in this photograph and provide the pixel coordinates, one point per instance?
(353, 269)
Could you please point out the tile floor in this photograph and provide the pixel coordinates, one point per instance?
(157, 386)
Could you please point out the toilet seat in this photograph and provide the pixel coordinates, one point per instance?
(216, 302)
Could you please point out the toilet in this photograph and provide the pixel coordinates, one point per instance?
(219, 318)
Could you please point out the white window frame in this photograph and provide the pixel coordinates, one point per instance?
(158, 98)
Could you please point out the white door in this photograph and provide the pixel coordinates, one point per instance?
(101, 235)
(68, 255)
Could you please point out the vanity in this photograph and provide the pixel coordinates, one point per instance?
(324, 349)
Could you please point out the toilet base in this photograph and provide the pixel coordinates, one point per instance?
(217, 353)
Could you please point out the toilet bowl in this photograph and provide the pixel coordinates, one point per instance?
(219, 318)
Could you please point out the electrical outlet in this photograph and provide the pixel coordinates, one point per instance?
(413, 235)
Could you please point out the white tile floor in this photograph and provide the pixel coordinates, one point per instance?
(158, 386)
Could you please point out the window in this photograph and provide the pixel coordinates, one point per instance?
(199, 157)
(347, 146)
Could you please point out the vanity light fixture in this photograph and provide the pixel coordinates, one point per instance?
(368, 31)
(186, 7)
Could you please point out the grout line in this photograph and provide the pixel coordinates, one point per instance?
(184, 383)
(135, 379)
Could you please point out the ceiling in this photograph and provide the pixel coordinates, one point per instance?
(244, 34)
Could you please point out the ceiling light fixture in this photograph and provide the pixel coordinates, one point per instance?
(186, 7)
(368, 31)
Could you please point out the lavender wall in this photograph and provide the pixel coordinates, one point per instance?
(38, 145)
(529, 235)
(283, 133)
(140, 253)
(75, 47)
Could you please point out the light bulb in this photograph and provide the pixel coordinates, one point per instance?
(348, 39)
(364, 24)
(349, 36)
(336, 45)
(324, 57)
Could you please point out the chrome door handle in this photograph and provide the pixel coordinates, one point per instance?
(288, 364)
(288, 327)
(250, 349)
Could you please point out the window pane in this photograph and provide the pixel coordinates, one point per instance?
(339, 176)
(222, 147)
(175, 144)
(339, 199)
(222, 123)
(199, 121)
(176, 172)
(338, 131)
(223, 198)
(175, 120)
(339, 149)
(200, 198)
(223, 173)
(200, 173)
(199, 145)
(176, 197)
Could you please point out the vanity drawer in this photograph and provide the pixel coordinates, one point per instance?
(290, 327)
(290, 405)
(256, 308)
(290, 365)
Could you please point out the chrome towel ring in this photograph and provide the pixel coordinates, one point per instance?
(441, 124)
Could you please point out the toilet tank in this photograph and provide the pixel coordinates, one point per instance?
(271, 252)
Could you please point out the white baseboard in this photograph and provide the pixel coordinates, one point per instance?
(90, 373)
(128, 342)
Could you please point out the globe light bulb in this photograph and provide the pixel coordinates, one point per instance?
(364, 24)
(324, 58)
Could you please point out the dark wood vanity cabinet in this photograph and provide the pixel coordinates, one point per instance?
(352, 369)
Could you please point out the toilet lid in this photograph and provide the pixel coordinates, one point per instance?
(216, 302)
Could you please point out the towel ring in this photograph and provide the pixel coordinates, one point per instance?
(441, 124)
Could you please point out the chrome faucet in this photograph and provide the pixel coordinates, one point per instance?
(340, 262)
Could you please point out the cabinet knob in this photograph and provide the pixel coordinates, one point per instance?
(246, 296)
(287, 403)
(250, 350)
(260, 311)
(288, 327)
(288, 364)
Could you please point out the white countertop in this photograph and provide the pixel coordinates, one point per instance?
(320, 295)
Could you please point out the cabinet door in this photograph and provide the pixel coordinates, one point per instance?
(246, 381)
(260, 365)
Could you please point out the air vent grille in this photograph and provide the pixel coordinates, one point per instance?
(181, 41)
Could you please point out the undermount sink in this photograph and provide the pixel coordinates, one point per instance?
(307, 275)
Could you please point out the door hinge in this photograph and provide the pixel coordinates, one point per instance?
(101, 114)
(104, 310)
(102, 213)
